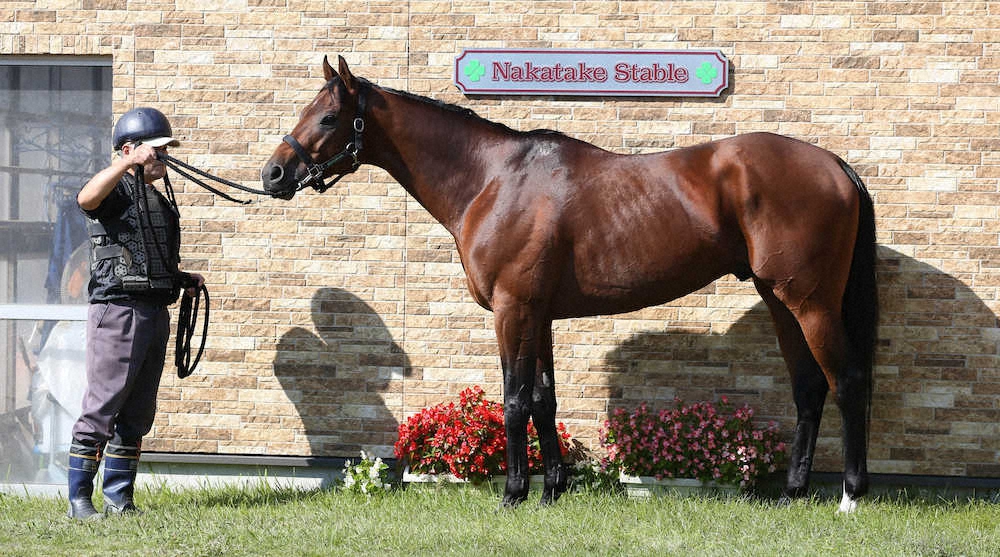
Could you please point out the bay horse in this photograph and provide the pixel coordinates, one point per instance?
(549, 227)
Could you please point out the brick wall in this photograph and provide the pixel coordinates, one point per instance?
(338, 315)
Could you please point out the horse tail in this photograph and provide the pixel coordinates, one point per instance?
(860, 306)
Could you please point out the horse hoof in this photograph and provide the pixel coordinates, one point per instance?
(847, 505)
(511, 501)
(549, 498)
(551, 494)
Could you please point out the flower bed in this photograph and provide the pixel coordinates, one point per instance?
(466, 440)
(698, 441)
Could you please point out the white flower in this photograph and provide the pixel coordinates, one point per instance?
(375, 471)
(366, 476)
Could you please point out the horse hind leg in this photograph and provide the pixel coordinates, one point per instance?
(827, 338)
(809, 389)
(543, 415)
(853, 397)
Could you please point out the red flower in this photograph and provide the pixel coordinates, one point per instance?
(467, 440)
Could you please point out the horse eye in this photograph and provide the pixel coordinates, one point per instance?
(329, 121)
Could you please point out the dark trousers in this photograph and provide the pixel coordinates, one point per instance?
(126, 349)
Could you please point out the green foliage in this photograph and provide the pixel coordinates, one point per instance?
(589, 476)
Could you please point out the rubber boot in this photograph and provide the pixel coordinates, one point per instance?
(83, 464)
(121, 464)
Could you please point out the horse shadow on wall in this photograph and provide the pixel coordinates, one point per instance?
(936, 404)
(345, 382)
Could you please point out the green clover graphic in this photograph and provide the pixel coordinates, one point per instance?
(475, 70)
(707, 73)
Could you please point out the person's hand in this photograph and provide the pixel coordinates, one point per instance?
(141, 154)
(192, 291)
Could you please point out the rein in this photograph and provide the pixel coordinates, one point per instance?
(177, 164)
(315, 169)
(187, 319)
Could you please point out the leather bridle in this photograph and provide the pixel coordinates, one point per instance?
(315, 170)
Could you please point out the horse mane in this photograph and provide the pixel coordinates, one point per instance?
(462, 111)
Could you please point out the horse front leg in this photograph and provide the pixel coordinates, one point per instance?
(543, 415)
(518, 340)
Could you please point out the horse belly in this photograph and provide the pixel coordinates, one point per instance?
(629, 286)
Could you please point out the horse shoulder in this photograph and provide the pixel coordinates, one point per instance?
(476, 222)
(501, 223)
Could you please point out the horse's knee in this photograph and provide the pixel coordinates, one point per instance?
(516, 413)
(516, 408)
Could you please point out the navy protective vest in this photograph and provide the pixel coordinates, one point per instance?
(133, 258)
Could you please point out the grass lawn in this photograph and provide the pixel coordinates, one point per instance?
(466, 521)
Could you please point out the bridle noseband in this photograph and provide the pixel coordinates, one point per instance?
(315, 170)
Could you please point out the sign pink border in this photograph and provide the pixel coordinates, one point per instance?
(571, 72)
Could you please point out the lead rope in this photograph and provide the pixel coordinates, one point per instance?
(187, 320)
(187, 317)
(177, 165)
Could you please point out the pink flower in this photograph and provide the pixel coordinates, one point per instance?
(698, 440)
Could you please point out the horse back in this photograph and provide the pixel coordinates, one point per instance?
(599, 233)
(646, 229)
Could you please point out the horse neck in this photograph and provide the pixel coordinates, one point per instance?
(434, 153)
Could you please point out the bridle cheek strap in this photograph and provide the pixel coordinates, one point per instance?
(315, 170)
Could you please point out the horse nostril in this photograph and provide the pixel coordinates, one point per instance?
(276, 174)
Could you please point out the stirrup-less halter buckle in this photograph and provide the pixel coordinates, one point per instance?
(315, 172)
(352, 150)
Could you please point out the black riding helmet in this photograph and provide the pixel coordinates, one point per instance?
(144, 124)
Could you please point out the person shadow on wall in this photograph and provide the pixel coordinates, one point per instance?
(345, 381)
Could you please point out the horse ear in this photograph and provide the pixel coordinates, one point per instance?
(347, 76)
(328, 72)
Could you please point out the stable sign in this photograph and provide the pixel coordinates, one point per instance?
(683, 73)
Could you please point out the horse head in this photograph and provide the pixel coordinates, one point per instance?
(325, 142)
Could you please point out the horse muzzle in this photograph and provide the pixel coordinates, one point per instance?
(278, 182)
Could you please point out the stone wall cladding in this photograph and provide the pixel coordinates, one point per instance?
(337, 316)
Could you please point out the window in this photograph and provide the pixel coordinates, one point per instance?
(55, 133)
